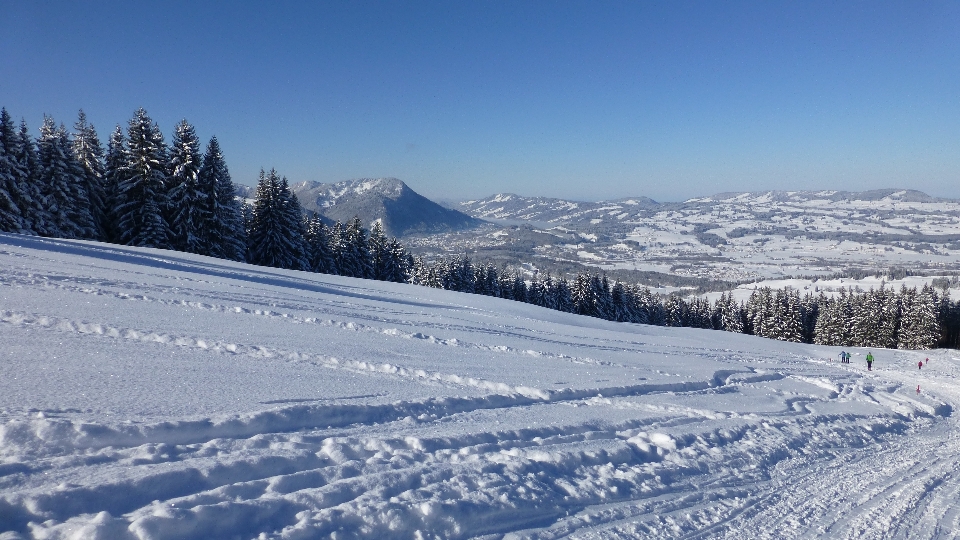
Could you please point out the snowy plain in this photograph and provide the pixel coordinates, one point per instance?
(147, 394)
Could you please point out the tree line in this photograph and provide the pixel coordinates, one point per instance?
(142, 192)
(910, 318)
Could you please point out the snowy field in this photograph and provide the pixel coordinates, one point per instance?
(153, 394)
(748, 236)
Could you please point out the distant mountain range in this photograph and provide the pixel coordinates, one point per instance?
(400, 210)
(508, 207)
(875, 195)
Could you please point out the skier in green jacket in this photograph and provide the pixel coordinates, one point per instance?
(869, 361)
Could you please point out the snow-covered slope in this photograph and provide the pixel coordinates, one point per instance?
(153, 394)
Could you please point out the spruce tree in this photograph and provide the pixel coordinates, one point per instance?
(116, 170)
(400, 262)
(142, 193)
(188, 205)
(673, 308)
(89, 154)
(276, 236)
(223, 233)
(356, 258)
(11, 217)
(32, 206)
(318, 247)
(919, 326)
(583, 296)
(62, 185)
(380, 258)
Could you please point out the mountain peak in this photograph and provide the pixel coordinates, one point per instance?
(399, 209)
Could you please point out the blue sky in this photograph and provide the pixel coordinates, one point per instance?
(586, 100)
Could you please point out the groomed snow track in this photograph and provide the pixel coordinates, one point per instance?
(151, 395)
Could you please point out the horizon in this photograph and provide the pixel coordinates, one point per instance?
(620, 198)
(574, 101)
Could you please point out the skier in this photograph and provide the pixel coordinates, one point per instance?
(869, 361)
(843, 357)
(920, 364)
(846, 360)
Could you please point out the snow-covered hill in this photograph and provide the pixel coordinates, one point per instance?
(511, 207)
(154, 394)
(730, 236)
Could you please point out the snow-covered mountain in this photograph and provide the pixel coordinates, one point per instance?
(149, 394)
(401, 210)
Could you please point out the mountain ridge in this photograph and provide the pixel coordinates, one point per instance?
(400, 210)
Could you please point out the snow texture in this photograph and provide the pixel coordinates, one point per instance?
(153, 394)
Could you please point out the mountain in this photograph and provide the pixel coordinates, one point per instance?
(875, 195)
(401, 210)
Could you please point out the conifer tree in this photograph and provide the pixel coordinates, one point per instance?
(518, 288)
(32, 207)
(89, 154)
(12, 218)
(380, 257)
(729, 317)
(188, 205)
(62, 185)
(318, 247)
(116, 169)
(142, 192)
(673, 308)
(919, 326)
(292, 215)
(400, 262)
(224, 234)
(276, 231)
(355, 253)
(583, 296)
(789, 324)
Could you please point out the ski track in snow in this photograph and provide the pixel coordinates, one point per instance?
(654, 433)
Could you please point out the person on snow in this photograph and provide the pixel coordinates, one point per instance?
(843, 357)
(920, 364)
(869, 361)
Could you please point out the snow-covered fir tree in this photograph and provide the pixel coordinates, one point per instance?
(674, 311)
(223, 233)
(89, 154)
(919, 327)
(319, 255)
(142, 192)
(188, 204)
(276, 234)
(379, 249)
(62, 185)
(116, 169)
(354, 252)
(11, 173)
(400, 262)
(32, 206)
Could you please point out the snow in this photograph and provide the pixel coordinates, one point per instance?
(153, 394)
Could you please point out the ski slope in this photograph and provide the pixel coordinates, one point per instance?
(150, 394)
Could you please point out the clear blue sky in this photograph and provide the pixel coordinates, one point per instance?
(585, 100)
